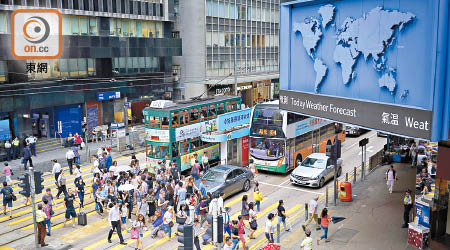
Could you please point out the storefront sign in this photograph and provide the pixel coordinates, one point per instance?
(216, 137)
(190, 131)
(211, 125)
(233, 119)
(117, 125)
(212, 153)
(159, 135)
(220, 89)
(384, 117)
(104, 96)
(5, 134)
(422, 214)
(245, 87)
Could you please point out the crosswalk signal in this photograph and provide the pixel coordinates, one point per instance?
(38, 182)
(210, 228)
(25, 185)
(186, 237)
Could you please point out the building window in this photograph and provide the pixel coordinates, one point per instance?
(2, 71)
(96, 5)
(84, 25)
(74, 25)
(114, 6)
(42, 3)
(125, 27)
(65, 4)
(76, 5)
(86, 4)
(105, 5)
(30, 2)
(92, 26)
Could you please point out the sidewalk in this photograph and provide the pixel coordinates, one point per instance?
(42, 162)
(374, 218)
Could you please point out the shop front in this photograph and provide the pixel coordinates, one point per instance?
(440, 210)
(232, 134)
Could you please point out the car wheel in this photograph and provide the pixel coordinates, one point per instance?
(321, 182)
(339, 172)
(246, 186)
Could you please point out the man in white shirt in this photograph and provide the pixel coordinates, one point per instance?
(69, 156)
(220, 203)
(313, 209)
(31, 140)
(96, 164)
(213, 208)
(114, 222)
(8, 150)
(56, 170)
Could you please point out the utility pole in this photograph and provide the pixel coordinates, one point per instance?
(235, 73)
(33, 205)
(362, 145)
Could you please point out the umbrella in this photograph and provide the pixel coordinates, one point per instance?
(337, 219)
(126, 187)
(122, 168)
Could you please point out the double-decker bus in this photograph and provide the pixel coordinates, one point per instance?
(173, 129)
(280, 140)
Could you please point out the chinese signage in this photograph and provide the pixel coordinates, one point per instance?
(159, 135)
(190, 131)
(104, 96)
(233, 119)
(216, 137)
(384, 117)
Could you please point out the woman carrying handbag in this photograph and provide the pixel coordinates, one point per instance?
(137, 231)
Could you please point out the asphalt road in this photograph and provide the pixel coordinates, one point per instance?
(273, 186)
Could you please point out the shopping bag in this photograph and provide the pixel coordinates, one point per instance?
(134, 233)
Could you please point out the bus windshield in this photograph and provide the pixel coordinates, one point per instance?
(267, 149)
(267, 116)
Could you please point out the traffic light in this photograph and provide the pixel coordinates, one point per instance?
(38, 180)
(186, 237)
(25, 185)
(210, 228)
(219, 229)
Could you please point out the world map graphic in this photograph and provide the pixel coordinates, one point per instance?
(368, 35)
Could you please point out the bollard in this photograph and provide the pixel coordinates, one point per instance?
(278, 233)
(326, 196)
(354, 175)
(306, 212)
(346, 177)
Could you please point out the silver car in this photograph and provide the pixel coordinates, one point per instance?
(315, 170)
(227, 179)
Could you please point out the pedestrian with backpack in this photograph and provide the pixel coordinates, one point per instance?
(8, 198)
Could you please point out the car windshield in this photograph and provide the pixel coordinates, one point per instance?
(313, 163)
(216, 176)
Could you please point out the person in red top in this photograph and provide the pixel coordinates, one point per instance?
(324, 219)
(241, 232)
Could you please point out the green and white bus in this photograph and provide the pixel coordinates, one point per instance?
(173, 129)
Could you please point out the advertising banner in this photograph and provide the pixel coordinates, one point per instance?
(212, 152)
(384, 117)
(5, 134)
(104, 96)
(244, 152)
(159, 135)
(233, 119)
(190, 131)
(422, 214)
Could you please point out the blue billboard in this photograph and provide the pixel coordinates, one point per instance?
(5, 133)
(392, 52)
(233, 119)
(105, 96)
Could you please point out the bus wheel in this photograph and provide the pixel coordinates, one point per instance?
(321, 182)
(246, 185)
(298, 160)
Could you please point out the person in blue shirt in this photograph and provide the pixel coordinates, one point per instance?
(108, 162)
(8, 195)
(203, 188)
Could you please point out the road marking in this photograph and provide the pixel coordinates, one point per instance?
(80, 233)
(368, 149)
(6, 248)
(292, 188)
(281, 184)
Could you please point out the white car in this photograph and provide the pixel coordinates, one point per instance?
(315, 170)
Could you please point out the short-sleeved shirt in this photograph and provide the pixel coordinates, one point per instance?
(69, 201)
(7, 170)
(280, 210)
(203, 189)
(241, 227)
(168, 217)
(182, 194)
(324, 221)
(48, 197)
(4, 191)
(80, 187)
(95, 186)
(312, 204)
(307, 243)
(268, 227)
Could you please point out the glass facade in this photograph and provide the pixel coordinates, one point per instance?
(244, 32)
